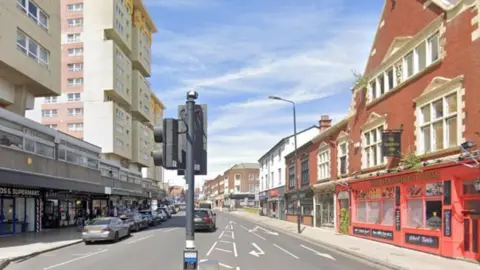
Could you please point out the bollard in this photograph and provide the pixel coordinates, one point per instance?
(208, 265)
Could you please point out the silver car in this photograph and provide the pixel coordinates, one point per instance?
(105, 229)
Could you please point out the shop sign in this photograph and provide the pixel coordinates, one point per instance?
(398, 220)
(392, 143)
(273, 193)
(402, 179)
(19, 192)
(447, 222)
(382, 234)
(422, 240)
(362, 231)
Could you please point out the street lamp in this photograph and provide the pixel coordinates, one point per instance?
(296, 155)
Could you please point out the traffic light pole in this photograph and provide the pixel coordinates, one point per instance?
(190, 252)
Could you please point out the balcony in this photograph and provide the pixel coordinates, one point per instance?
(156, 114)
(142, 144)
(141, 103)
(141, 51)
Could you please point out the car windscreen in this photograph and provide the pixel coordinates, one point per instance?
(201, 214)
(100, 222)
(205, 205)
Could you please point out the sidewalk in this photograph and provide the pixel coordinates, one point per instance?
(383, 254)
(30, 244)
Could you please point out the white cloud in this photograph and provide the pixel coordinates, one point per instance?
(299, 53)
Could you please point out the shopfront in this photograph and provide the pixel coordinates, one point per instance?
(19, 210)
(63, 208)
(100, 205)
(273, 205)
(324, 205)
(263, 198)
(300, 202)
(435, 210)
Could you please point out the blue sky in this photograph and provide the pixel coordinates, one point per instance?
(236, 53)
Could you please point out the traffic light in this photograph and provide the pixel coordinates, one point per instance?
(167, 135)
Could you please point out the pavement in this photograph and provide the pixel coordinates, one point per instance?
(237, 244)
(389, 256)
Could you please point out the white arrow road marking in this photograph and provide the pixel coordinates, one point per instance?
(267, 231)
(286, 251)
(325, 255)
(256, 253)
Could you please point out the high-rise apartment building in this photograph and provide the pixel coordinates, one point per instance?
(29, 53)
(106, 98)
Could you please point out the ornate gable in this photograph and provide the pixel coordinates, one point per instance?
(323, 146)
(342, 136)
(438, 87)
(373, 120)
(396, 44)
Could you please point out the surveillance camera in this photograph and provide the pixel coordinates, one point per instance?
(192, 94)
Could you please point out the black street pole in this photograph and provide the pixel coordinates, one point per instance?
(297, 185)
(190, 252)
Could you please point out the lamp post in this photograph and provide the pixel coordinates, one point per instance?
(296, 156)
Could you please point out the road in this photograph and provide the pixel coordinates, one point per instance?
(237, 244)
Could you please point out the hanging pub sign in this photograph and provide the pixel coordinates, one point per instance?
(392, 143)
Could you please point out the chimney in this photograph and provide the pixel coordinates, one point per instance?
(324, 123)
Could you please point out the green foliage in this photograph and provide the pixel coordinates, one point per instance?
(411, 161)
(344, 221)
(361, 81)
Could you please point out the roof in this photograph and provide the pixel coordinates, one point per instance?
(282, 141)
(141, 6)
(245, 166)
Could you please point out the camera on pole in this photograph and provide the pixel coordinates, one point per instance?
(166, 155)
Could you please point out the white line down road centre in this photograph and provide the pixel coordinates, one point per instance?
(258, 252)
(328, 256)
(263, 229)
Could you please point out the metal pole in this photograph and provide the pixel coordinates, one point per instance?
(190, 253)
(297, 185)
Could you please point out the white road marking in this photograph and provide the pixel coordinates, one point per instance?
(139, 239)
(229, 226)
(233, 235)
(244, 227)
(261, 237)
(225, 265)
(226, 242)
(211, 249)
(173, 229)
(76, 259)
(221, 235)
(224, 250)
(235, 250)
(286, 251)
(325, 255)
(256, 253)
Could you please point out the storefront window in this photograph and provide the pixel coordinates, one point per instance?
(375, 206)
(424, 205)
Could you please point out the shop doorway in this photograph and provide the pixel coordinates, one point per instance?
(7, 215)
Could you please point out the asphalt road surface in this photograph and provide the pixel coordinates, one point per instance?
(237, 244)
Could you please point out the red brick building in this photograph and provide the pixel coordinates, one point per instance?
(421, 82)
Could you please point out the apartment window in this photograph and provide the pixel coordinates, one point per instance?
(439, 125)
(75, 111)
(291, 176)
(75, 22)
(279, 176)
(75, 127)
(305, 172)
(52, 126)
(272, 179)
(342, 158)
(49, 113)
(251, 177)
(74, 96)
(51, 100)
(74, 67)
(75, 51)
(372, 148)
(324, 164)
(73, 37)
(422, 56)
(74, 82)
(31, 48)
(119, 143)
(251, 188)
(33, 11)
(238, 177)
(75, 7)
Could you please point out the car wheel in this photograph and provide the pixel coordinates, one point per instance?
(117, 237)
(87, 243)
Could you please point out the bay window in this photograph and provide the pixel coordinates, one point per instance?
(424, 205)
(375, 206)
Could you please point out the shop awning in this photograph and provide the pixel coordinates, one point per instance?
(35, 180)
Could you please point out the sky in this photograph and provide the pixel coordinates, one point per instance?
(236, 53)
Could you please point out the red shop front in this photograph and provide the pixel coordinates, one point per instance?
(273, 203)
(435, 210)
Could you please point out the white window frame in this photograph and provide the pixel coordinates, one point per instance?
(372, 146)
(439, 92)
(75, 67)
(40, 13)
(74, 37)
(342, 140)
(51, 99)
(75, 51)
(75, 22)
(32, 48)
(75, 126)
(75, 7)
(75, 111)
(323, 162)
(72, 97)
(52, 126)
(75, 82)
(51, 113)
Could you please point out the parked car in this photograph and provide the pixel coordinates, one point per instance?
(205, 219)
(165, 211)
(105, 229)
(135, 221)
(152, 217)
